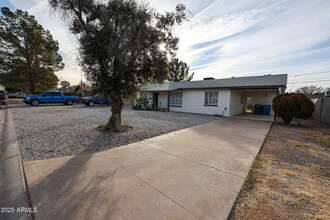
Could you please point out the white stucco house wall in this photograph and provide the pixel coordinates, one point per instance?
(225, 97)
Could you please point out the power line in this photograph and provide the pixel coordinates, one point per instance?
(319, 79)
(326, 80)
(73, 51)
(306, 74)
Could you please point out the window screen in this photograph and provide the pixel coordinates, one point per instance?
(175, 99)
(211, 98)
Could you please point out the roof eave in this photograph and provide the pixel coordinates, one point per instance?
(230, 88)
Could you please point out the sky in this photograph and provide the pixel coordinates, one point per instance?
(226, 38)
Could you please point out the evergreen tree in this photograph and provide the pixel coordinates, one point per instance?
(178, 71)
(28, 53)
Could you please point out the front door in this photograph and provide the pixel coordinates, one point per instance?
(248, 105)
(155, 100)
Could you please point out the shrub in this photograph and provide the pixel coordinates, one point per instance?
(293, 105)
(142, 101)
(137, 107)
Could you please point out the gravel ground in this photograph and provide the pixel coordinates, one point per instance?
(52, 131)
(290, 179)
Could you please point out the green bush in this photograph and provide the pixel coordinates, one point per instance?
(137, 107)
(142, 101)
(293, 105)
(149, 108)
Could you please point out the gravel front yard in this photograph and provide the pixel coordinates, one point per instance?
(290, 179)
(52, 131)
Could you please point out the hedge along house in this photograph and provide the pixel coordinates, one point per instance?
(226, 97)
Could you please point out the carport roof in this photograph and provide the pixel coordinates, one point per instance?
(251, 82)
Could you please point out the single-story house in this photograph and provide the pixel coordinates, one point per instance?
(315, 96)
(225, 97)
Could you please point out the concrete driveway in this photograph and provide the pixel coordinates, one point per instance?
(194, 173)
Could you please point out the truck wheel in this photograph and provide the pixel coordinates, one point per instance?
(35, 102)
(69, 102)
(91, 103)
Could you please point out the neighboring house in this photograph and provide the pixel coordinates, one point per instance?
(315, 96)
(69, 89)
(76, 89)
(86, 89)
(226, 97)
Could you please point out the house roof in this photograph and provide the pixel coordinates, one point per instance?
(85, 88)
(251, 82)
(315, 96)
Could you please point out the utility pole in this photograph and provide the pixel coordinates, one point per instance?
(81, 85)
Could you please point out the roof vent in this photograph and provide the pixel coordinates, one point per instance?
(209, 78)
(233, 77)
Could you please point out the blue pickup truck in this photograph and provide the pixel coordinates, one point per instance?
(97, 99)
(50, 97)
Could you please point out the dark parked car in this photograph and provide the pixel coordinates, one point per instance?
(97, 99)
(3, 97)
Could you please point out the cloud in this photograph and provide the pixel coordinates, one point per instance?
(257, 37)
(225, 38)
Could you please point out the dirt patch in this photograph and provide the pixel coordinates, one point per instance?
(291, 177)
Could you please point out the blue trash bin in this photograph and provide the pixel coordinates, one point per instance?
(267, 109)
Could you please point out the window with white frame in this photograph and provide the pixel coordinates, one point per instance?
(175, 99)
(211, 98)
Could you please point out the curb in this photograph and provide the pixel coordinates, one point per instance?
(14, 202)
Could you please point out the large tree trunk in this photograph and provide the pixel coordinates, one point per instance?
(114, 123)
(32, 87)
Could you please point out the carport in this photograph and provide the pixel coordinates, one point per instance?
(243, 103)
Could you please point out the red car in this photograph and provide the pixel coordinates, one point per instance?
(3, 97)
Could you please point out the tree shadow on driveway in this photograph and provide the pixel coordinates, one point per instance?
(70, 186)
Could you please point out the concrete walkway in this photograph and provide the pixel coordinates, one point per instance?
(194, 173)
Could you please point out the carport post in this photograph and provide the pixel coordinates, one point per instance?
(168, 101)
(321, 109)
(277, 93)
